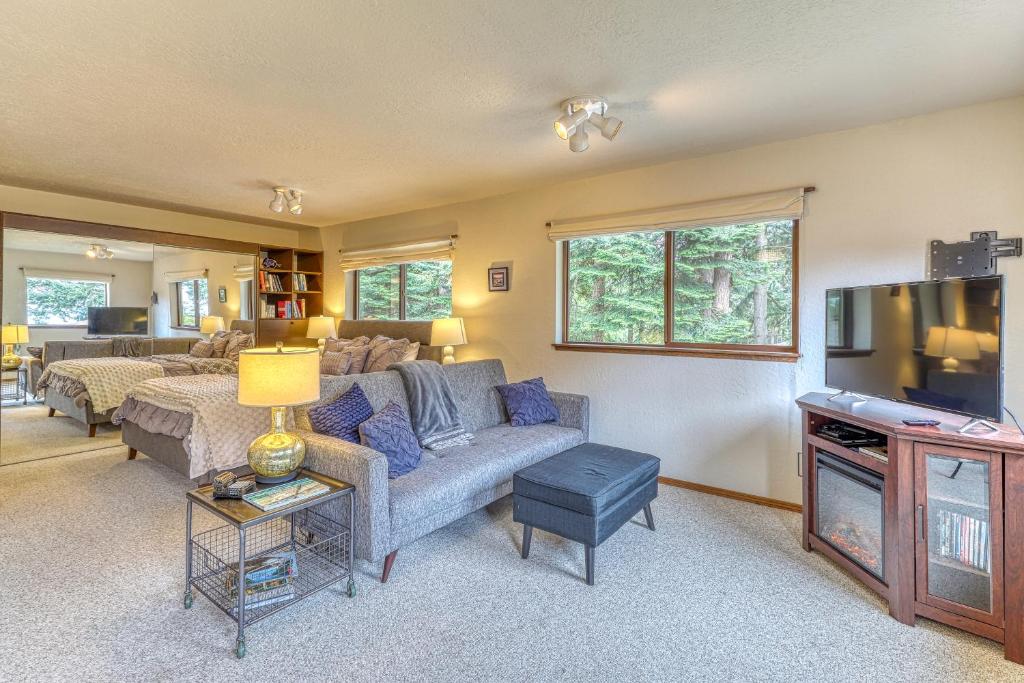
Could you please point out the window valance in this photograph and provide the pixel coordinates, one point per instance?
(68, 275)
(244, 273)
(185, 275)
(779, 205)
(437, 249)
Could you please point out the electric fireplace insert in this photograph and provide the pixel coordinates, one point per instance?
(851, 511)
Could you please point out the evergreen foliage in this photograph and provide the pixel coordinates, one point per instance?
(428, 291)
(62, 302)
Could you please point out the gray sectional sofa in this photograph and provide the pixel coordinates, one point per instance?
(448, 484)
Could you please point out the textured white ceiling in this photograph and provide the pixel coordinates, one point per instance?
(379, 107)
(28, 240)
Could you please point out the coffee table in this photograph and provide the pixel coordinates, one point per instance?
(317, 530)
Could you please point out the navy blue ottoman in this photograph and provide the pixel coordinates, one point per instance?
(585, 494)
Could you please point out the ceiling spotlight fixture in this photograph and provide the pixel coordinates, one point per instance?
(98, 251)
(579, 110)
(277, 203)
(289, 196)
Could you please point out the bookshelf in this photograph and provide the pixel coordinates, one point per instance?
(288, 294)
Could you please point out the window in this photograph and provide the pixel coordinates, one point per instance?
(62, 303)
(413, 291)
(728, 290)
(245, 300)
(193, 302)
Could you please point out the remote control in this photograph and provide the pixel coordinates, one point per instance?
(922, 423)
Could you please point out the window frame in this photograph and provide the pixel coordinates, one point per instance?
(195, 301)
(49, 326)
(669, 347)
(402, 280)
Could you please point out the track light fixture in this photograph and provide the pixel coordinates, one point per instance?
(289, 196)
(98, 251)
(579, 110)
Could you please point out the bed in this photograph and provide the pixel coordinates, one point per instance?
(179, 422)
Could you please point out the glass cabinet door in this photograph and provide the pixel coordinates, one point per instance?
(959, 531)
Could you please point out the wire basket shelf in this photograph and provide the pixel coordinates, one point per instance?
(319, 537)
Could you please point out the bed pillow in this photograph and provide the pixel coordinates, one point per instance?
(335, 363)
(220, 343)
(336, 344)
(384, 352)
(528, 402)
(201, 349)
(390, 432)
(341, 418)
(358, 354)
(237, 343)
(412, 353)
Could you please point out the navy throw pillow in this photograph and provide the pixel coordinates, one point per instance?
(390, 433)
(341, 418)
(528, 402)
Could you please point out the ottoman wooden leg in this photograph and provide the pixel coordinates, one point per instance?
(527, 537)
(649, 516)
(590, 564)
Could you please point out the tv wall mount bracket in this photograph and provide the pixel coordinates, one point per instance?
(972, 258)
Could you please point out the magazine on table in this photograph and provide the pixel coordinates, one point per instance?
(286, 494)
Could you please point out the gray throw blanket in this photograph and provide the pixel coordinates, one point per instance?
(435, 417)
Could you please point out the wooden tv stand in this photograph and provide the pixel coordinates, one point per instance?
(950, 505)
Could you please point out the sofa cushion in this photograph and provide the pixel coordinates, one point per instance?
(341, 418)
(379, 387)
(589, 478)
(528, 402)
(478, 401)
(390, 432)
(462, 471)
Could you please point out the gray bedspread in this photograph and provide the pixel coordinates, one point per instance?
(154, 419)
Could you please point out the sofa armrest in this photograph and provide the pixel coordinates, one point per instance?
(367, 470)
(574, 410)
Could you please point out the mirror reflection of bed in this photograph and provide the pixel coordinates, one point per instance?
(71, 297)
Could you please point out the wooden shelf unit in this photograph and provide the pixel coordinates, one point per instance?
(305, 262)
(910, 538)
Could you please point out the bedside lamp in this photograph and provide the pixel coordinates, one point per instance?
(320, 327)
(276, 379)
(953, 345)
(448, 332)
(12, 336)
(211, 324)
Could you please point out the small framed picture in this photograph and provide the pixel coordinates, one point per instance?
(222, 295)
(497, 279)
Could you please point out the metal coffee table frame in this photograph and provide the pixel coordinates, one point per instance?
(318, 530)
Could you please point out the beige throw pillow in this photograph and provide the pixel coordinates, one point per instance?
(412, 352)
(384, 352)
(237, 343)
(201, 349)
(220, 343)
(358, 354)
(339, 344)
(335, 363)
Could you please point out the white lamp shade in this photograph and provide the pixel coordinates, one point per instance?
(14, 334)
(952, 342)
(988, 342)
(448, 332)
(278, 377)
(321, 327)
(210, 324)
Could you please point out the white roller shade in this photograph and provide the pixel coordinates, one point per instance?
(439, 249)
(779, 205)
(185, 275)
(244, 273)
(68, 275)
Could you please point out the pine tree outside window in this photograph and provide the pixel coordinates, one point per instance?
(414, 291)
(717, 290)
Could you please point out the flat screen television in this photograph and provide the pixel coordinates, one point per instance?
(112, 320)
(936, 343)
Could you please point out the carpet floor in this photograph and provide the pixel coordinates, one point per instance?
(92, 576)
(26, 433)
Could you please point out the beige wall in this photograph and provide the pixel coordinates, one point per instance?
(220, 267)
(883, 192)
(129, 287)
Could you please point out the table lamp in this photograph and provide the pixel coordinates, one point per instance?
(953, 345)
(211, 324)
(320, 327)
(277, 378)
(12, 336)
(448, 332)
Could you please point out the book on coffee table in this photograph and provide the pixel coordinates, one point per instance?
(285, 494)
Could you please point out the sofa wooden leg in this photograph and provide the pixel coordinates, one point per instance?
(52, 411)
(92, 430)
(527, 537)
(389, 562)
(132, 453)
(649, 516)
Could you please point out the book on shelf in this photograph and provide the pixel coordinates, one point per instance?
(299, 282)
(286, 494)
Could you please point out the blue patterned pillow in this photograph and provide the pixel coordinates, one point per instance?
(528, 402)
(390, 432)
(341, 418)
